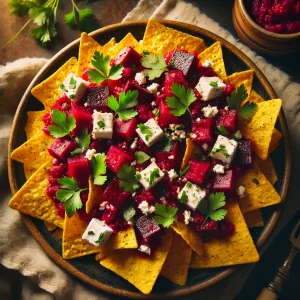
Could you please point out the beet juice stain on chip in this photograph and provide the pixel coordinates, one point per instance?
(148, 154)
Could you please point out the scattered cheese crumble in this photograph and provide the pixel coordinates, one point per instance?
(90, 153)
(144, 249)
(210, 112)
(241, 191)
(187, 217)
(219, 169)
(145, 208)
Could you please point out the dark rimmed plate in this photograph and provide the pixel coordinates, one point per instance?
(86, 268)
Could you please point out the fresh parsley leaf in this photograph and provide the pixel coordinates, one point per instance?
(184, 197)
(100, 238)
(101, 124)
(83, 141)
(182, 172)
(164, 145)
(156, 112)
(69, 194)
(155, 65)
(129, 213)
(165, 215)
(63, 125)
(222, 149)
(73, 82)
(213, 83)
(127, 176)
(91, 232)
(62, 86)
(255, 181)
(181, 104)
(141, 157)
(126, 101)
(222, 130)
(145, 130)
(154, 174)
(19, 8)
(247, 110)
(99, 168)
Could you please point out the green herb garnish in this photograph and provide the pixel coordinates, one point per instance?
(72, 83)
(255, 181)
(91, 233)
(222, 130)
(100, 238)
(165, 215)
(83, 141)
(164, 145)
(156, 112)
(222, 149)
(154, 174)
(214, 83)
(184, 197)
(129, 213)
(155, 65)
(99, 168)
(127, 176)
(101, 124)
(146, 131)
(141, 157)
(182, 172)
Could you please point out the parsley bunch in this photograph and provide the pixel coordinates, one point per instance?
(99, 168)
(128, 181)
(155, 65)
(165, 215)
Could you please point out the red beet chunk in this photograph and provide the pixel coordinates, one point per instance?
(210, 228)
(174, 76)
(143, 94)
(198, 171)
(226, 229)
(147, 227)
(61, 148)
(83, 118)
(125, 130)
(145, 112)
(224, 182)
(183, 61)
(203, 130)
(168, 160)
(97, 96)
(116, 158)
(227, 119)
(63, 103)
(244, 154)
(79, 168)
(165, 117)
(128, 57)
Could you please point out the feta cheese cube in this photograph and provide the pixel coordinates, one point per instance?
(97, 233)
(140, 78)
(241, 191)
(210, 112)
(145, 249)
(191, 195)
(74, 87)
(153, 88)
(145, 208)
(150, 132)
(224, 149)
(207, 64)
(102, 125)
(219, 169)
(210, 87)
(150, 176)
(90, 153)
(187, 217)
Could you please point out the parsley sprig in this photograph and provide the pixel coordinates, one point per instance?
(99, 168)
(129, 213)
(165, 215)
(83, 141)
(141, 157)
(127, 176)
(145, 130)
(155, 65)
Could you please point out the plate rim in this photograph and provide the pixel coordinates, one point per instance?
(269, 228)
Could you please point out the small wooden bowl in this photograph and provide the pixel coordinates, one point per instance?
(259, 39)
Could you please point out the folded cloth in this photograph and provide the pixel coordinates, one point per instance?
(19, 251)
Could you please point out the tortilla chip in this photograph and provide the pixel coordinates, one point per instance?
(192, 238)
(34, 123)
(254, 97)
(239, 78)
(50, 226)
(103, 254)
(267, 167)
(254, 218)
(161, 39)
(47, 91)
(32, 199)
(261, 126)
(239, 249)
(259, 194)
(33, 153)
(275, 139)
(128, 40)
(140, 271)
(214, 54)
(75, 246)
(58, 234)
(177, 264)
(94, 197)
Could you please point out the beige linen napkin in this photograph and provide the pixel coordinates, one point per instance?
(19, 251)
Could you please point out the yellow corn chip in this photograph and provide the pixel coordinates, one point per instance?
(58, 234)
(245, 77)
(177, 264)
(50, 226)
(139, 271)
(259, 191)
(215, 55)
(102, 254)
(47, 91)
(75, 246)
(161, 39)
(94, 198)
(31, 199)
(191, 237)
(254, 97)
(254, 218)
(106, 48)
(34, 123)
(33, 153)
(239, 249)
(128, 40)
(261, 126)
(276, 137)
(267, 167)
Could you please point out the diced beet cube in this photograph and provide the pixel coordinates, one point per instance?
(128, 57)
(114, 194)
(83, 118)
(97, 96)
(61, 148)
(227, 119)
(183, 61)
(147, 227)
(165, 117)
(203, 130)
(145, 112)
(63, 103)
(210, 228)
(198, 171)
(168, 160)
(79, 168)
(224, 182)
(143, 94)
(244, 155)
(125, 130)
(174, 76)
(116, 158)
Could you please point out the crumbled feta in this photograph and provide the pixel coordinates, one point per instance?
(131, 222)
(193, 135)
(172, 174)
(172, 126)
(241, 191)
(210, 87)
(148, 179)
(144, 249)
(102, 205)
(97, 232)
(153, 104)
(171, 157)
(238, 135)
(226, 107)
(219, 169)
(90, 153)
(153, 159)
(204, 146)
(145, 208)
(193, 195)
(140, 41)
(210, 112)
(153, 88)
(187, 217)
(133, 163)
(140, 78)
(134, 143)
(74, 87)
(224, 149)
(154, 133)
(178, 134)
(207, 64)
(102, 125)
(198, 119)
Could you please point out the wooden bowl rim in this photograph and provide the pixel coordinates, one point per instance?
(73, 270)
(281, 36)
